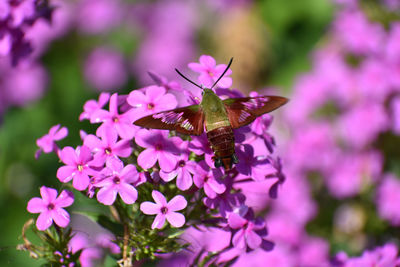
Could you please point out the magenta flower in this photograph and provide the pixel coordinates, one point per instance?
(183, 172)
(51, 207)
(165, 210)
(108, 146)
(91, 106)
(154, 99)
(251, 166)
(250, 231)
(123, 123)
(118, 180)
(47, 142)
(388, 197)
(210, 72)
(105, 69)
(207, 178)
(77, 166)
(158, 148)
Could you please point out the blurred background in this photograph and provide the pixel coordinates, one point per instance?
(338, 62)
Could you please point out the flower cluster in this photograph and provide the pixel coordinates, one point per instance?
(15, 19)
(339, 157)
(125, 166)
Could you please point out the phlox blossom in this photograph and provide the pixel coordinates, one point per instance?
(165, 210)
(51, 207)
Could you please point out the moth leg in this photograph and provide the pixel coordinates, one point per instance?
(235, 159)
(217, 162)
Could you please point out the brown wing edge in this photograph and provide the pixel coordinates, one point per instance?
(196, 119)
(234, 107)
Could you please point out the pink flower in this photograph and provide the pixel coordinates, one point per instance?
(154, 99)
(77, 166)
(118, 180)
(158, 148)
(47, 143)
(388, 199)
(250, 231)
(121, 122)
(207, 178)
(210, 72)
(92, 106)
(183, 172)
(165, 210)
(105, 69)
(51, 207)
(107, 147)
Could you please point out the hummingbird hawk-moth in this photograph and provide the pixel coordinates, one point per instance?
(217, 117)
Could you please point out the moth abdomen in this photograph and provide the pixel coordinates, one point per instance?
(222, 143)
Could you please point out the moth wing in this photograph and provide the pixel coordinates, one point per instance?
(244, 110)
(187, 120)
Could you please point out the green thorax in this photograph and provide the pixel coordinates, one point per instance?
(214, 111)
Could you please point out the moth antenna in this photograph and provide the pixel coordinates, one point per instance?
(222, 75)
(187, 79)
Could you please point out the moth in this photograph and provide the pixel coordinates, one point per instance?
(217, 117)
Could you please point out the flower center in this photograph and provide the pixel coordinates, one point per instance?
(182, 163)
(50, 206)
(206, 179)
(80, 167)
(158, 147)
(150, 106)
(108, 150)
(210, 73)
(115, 119)
(164, 210)
(117, 180)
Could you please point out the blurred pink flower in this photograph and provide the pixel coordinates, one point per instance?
(47, 142)
(99, 16)
(105, 69)
(51, 207)
(388, 199)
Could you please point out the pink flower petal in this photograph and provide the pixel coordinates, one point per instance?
(107, 195)
(68, 156)
(177, 203)
(60, 217)
(81, 181)
(175, 219)
(125, 130)
(158, 221)
(167, 161)
(66, 173)
(196, 67)
(235, 221)
(65, 199)
(109, 135)
(159, 198)
(217, 187)
(128, 193)
(85, 154)
(238, 239)
(48, 194)
(184, 180)
(123, 148)
(129, 174)
(253, 240)
(93, 142)
(136, 99)
(150, 208)
(153, 92)
(36, 205)
(207, 61)
(44, 221)
(62, 133)
(168, 176)
(147, 158)
(113, 104)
